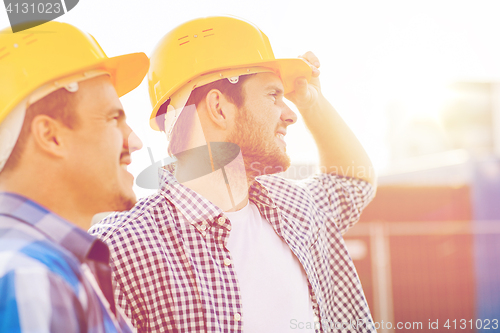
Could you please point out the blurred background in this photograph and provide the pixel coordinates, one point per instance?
(419, 84)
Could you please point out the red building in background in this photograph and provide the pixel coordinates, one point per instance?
(428, 255)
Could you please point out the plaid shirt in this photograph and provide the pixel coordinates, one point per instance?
(171, 265)
(48, 268)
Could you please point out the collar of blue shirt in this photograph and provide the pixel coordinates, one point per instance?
(75, 240)
(84, 247)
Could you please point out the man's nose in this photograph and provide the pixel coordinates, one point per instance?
(133, 141)
(287, 115)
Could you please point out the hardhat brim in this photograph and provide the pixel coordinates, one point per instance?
(127, 71)
(289, 69)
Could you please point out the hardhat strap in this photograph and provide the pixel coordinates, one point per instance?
(10, 128)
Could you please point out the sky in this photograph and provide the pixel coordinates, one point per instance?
(371, 53)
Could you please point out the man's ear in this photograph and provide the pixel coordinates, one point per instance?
(47, 134)
(219, 109)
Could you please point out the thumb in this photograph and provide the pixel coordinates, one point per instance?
(301, 89)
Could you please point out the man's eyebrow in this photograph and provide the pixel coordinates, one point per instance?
(120, 112)
(275, 87)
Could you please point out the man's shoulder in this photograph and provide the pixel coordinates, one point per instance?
(277, 181)
(40, 282)
(287, 188)
(138, 219)
(288, 194)
(274, 180)
(309, 183)
(314, 190)
(25, 252)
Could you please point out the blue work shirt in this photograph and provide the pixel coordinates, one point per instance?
(54, 277)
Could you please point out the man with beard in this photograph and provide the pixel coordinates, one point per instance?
(64, 149)
(225, 245)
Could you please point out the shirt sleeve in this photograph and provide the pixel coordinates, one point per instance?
(140, 271)
(37, 300)
(125, 255)
(342, 198)
(106, 231)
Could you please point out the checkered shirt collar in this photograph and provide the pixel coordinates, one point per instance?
(75, 240)
(196, 208)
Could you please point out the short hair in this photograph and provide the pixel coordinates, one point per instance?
(232, 91)
(58, 105)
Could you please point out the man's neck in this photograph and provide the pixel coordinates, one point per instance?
(220, 179)
(46, 193)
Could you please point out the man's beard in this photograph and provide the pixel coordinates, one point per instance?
(261, 155)
(122, 202)
(126, 203)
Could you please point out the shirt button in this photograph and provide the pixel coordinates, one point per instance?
(221, 220)
(237, 317)
(227, 261)
(203, 227)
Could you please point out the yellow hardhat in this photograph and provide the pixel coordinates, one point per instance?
(54, 50)
(212, 45)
